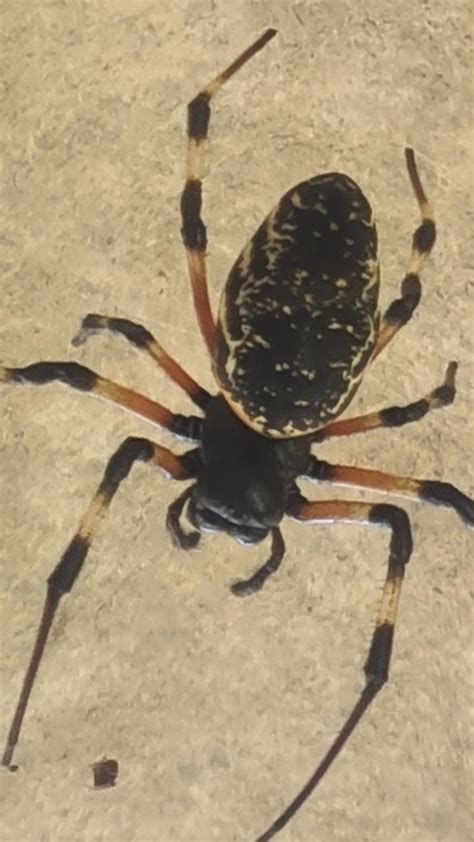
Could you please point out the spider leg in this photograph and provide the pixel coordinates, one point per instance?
(193, 230)
(425, 490)
(82, 378)
(378, 661)
(394, 416)
(245, 587)
(143, 339)
(401, 310)
(64, 575)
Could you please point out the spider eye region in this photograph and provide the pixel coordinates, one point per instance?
(237, 502)
(207, 519)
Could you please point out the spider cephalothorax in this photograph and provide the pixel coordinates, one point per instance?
(298, 325)
(244, 477)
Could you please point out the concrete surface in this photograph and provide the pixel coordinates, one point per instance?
(217, 709)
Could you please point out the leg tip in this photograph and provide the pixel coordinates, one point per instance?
(90, 324)
(444, 395)
(79, 338)
(7, 758)
(450, 376)
(445, 494)
(244, 587)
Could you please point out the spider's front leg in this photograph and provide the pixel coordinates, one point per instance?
(378, 660)
(64, 575)
(378, 514)
(85, 380)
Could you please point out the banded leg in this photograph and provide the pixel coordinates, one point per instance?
(425, 490)
(394, 416)
(401, 310)
(193, 230)
(378, 661)
(143, 339)
(82, 378)
(70, 565)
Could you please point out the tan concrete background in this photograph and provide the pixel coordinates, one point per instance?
(217, 708)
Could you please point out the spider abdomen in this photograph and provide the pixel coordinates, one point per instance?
(299, 314)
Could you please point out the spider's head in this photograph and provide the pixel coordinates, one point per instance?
(244, 477)
(246, 511)
(242, 486)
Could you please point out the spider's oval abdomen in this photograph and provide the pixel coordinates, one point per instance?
(298, 317)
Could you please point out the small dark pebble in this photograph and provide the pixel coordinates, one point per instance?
(105, 773)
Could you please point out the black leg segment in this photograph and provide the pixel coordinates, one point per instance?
(85, 380)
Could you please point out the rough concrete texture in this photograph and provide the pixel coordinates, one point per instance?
(216, 708)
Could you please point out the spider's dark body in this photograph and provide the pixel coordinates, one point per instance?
(243, 479)
(298, 325)
(298, 318)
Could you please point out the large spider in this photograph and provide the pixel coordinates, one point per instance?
(298, 324)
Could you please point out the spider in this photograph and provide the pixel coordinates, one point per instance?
(298, 324)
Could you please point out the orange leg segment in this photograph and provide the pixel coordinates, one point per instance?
(85, 380)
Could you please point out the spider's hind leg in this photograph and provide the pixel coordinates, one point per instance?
(394, 416)
(193, 230)
(401, 310)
